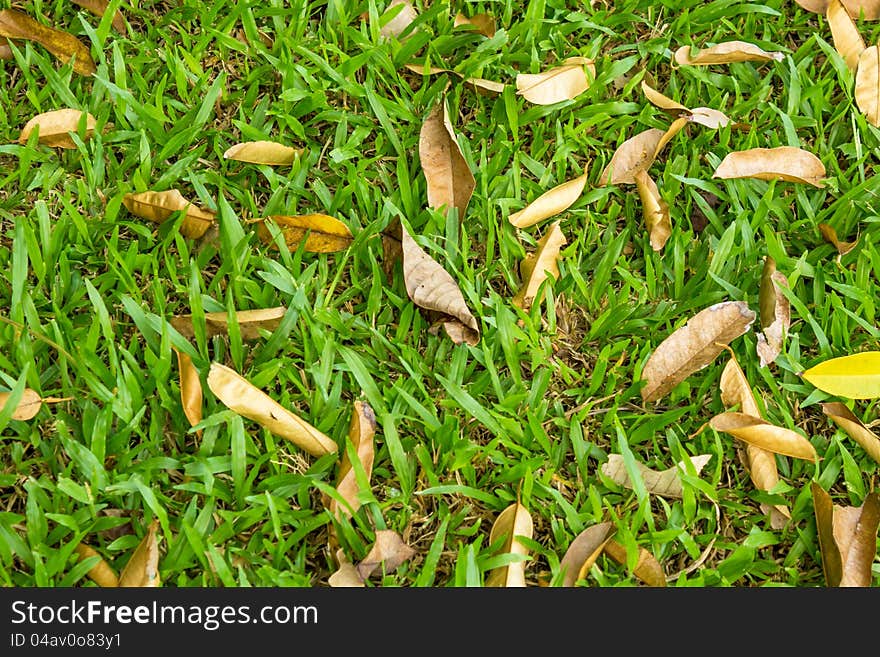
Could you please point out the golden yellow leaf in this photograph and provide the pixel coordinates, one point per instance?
(847, 40)
(662, 101)
(654, 209)
(867, 9)
(190, 388)
(322, 233)
(514, 522)
(54, 127)
(705, 116)
(830, 236)
(583, 551)
(450, 181)
(389, 551)
(757, 431)
(28, 406)
(635, 154)
(563, 82)
(247, 400)
(780, 163)
(550, 203)
(665, 483)
(856, 376)
(775, 313)
(487, 87)
(482, 23)
(397, 20)
(250, 323)
(263, 152)
(63, 45)
(867, 89)
(693, 346)
(535, 266)
(142, 569)
(846, 420)
(101, 573)
(360, 434)
(647, 568)
(725, 53)
(99, 8)
(160, 206)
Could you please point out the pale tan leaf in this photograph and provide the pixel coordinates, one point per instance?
(693, 346)
(487, 87)
(583, 551)
(101, 573)
(190, 388)
(647, 568)
(709, 118)
(867, 9)
(705, 116)
(830, 236)
(535, 266)
(63, 45)
(388, 552)
(321, 233)
(99, 8)
(757, 431)
(867, 89)
(263, 152)
(450, 181)
(247, 400)
(482, 23)
(160, 206)
(54, 128)
(780, 163)
(654, 209)
(635, 154)
(550, 203)
(563, 82)
(665, 483)
(142, 569)
(250, 323)
(360, 434)
(346, 575)
(28, 406)
(725, 53)
(513, 522)
(847, 40)
(402, 18)
(662, 101)
(846, 420)
(775, 313)
(674, 128)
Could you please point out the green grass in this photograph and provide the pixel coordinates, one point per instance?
(535, 408)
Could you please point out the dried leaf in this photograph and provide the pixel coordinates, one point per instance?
(693, 346)
(322, 233)
(347, 576)
(5, 49)
(867, 9)
(666, 483)
(360, 433)
(780, 163)
(867, 88)
(190, 389)
(550, 203)
(479, 84)
(705, 116)
(847, 40)
(757, 431)
(647, 568)
(830, 236)
(482, 23)
(401, 20)
(388, 552)
(725, 53)
(160, 206)
(635, 154)
(535, 266)
(654, 209)
(513, 522)
(450, 181)
(432, 288)
(101, 573)
(250, 323)
(263, 152)
(28, 406)
(856, 376)
(55, 127)
(99, 8)
(583, 552)
(775, 312)
(247, 400)
(64, 46)
(142, 569)
(846, 420)
(557, 84)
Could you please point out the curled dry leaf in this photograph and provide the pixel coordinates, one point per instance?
(449, 179)
(535, 266)
(847, 40)
(63, 45)
(482, 23)
(647, 568)
(856, 376)
(550, 203)
(757, 431)
(347, 575)
(513, 522)
(54, 128)
(250, 323)
(160, 206)
(775, 312)
(101, 573)
(431, 287)
(190, 389)
(322, 233)
(263, 152)
(247, 400)
(725, 53)
(28, 406)
(142, 569)
(846, 420)
(665, 483)
(387, 553)
(780, 163)
(867, 9)
(867, 89)
(654, 209)
(99, 8)
(830, 236)
(397, 19)
(705, 116)
(635, 154)
(487, 87)
(360, 434)
(693, 346)
(557, 84)
(583, 552)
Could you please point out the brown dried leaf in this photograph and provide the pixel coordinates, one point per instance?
(693, 346)
(101, 573)
(482, 23)
(647, 568)
(160, 206)
(263, 152)
(775, 312)
(5, 49)
(360, 433)
(322, 233)
(757, 431)
(347, 576)
(867, 9)
(654, 209)
(725, 53)
(402, 18)
(583, 552)
(867, 89)
(55, 127)
(846, 420)
(28, 406)
(247, 400)
(63, 45)
(665, 483)
(830, 236)
(779, 163)
(432, 288)
(513, 522)
(550, 203)
(142, 569)
(250, 323)
(388, 552)
(705, 116)
(535, 266)
(557, 84)
(450, 181)
(635, 154)
(847, 40)
(99, 8)
(479, 84)
(190, 389)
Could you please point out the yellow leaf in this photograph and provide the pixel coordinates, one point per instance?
(550, 203)
(635, 154)
(846, 420)
(557, 84)
(654, 209)
(725, 53)
(535, 266)
(514, 522)
(250, 323)
(665, 483)
(450, 181)
(263, 152)
(867, 89)
(64, 46)
(583, 551)
(142, 569)
(54, 128)
(101, 573)
(779, 163)
(847, 40)
(360, 434)
(322, 233)
(856, 376)
(757, 431)
(160, 206)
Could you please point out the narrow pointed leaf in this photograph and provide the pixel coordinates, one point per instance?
(450, 181)
(513, 522)
(250, 323)
(535, 266)
(823, 508)
(482, 23)
(564, 82)
(856, 376)
(190, 388)
(142, 569)
(647, 568)
(830, 236)
(160, 206)
(846, 420)
(360, 434)
(63, 45)
(388, 552)
(775, 313)
(99, 8)
(665, 483)
(867, 89)
(320, 232)
(635, 154)
(583, 551)
(54, 127)
(101, 573)
(780, 163)
(725, 53)
(550, 203)
(757, 431)
(486, 87)
(263, 152)
(654, 209)
(846, 36)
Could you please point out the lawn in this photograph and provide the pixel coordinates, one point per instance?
(528, 412)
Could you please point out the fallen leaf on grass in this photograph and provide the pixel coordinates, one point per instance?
(250, 323)
(847, 538)
(360, 434)
(5, 50)
(867, 89)
(869, 9)
(725, 53)
(99, 8)
(693, 346)
(190, 389)
(263, 152)
(757, 431)
(160, 206)
(513, 522)
(247, 400)
(63, 45)
(635, 154)
(830, 236)
(388, 553)
(846, 420)
(101, 573)
(856, 376)
(142, 568)
(779, 163)
(535, 266)
(322, 233)
(482, 23)
(583, 551)
(666, 483)
(402, 18)
(705, 116)
(775, 313)
(654, 209)
(29, 404)
(347, 575)
(450, 181)
(564, 82)
(479, 84)
(647, 568)
(550, 203)
(847, 40)
(54, 127)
